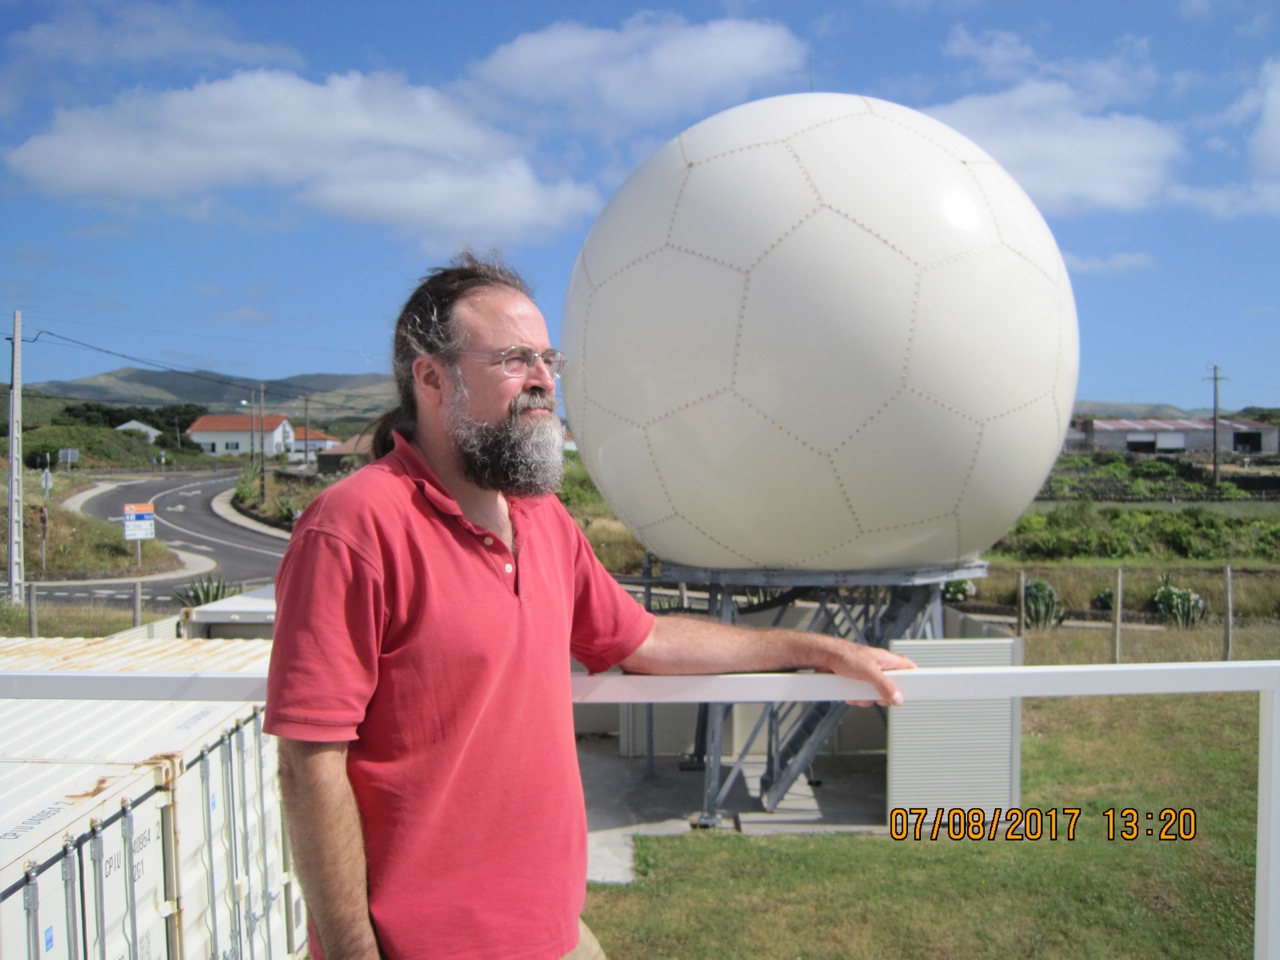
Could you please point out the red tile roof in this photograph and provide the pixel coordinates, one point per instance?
(302, 433)
(235, 423)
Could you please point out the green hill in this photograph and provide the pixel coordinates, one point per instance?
(327, 395)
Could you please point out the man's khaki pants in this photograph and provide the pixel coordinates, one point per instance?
(588, 947)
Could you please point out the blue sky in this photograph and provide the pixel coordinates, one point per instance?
(254, 187)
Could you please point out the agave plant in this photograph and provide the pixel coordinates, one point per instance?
(1044, 608)
(204, 590)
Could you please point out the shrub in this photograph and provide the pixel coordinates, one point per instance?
(1181, 607)
(958, 591)
(1105, 600)
(1155, 470)
(248, 483)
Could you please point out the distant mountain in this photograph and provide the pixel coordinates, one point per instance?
(1103, 410)
(330, 395)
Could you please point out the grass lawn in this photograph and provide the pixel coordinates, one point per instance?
(718, 895)
(82, 620)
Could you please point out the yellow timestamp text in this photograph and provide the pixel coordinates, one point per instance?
(976, 823)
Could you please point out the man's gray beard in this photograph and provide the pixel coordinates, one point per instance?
(515, 458)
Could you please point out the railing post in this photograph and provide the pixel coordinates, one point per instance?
(1022, 603)
(1117, 615)
(1229, 615)
(1266, 905)
(32, 629)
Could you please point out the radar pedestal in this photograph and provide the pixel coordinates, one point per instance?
(873, 608)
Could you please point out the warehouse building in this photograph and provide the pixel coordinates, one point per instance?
(1180, 436)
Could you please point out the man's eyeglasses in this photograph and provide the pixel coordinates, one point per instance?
(517, 361)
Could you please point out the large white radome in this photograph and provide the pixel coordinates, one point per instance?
(819, 332)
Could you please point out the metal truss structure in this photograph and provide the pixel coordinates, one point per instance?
(873, 608)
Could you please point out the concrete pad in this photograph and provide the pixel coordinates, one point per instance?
(625, 799)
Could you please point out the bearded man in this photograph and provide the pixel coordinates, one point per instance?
(427, 610)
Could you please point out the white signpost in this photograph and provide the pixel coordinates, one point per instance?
(139, 524)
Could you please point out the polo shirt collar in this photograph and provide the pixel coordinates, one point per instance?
(425, 479)
(422, 476)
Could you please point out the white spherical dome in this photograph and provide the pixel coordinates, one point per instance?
(819, 332)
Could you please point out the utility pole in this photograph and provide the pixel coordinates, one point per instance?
(17, 573)
(306, 432)
(1216, 378)
(262, 425)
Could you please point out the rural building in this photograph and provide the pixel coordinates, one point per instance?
(234, 433)
(141, 427)
(312, 441)
(360, 447)
(1180, 436)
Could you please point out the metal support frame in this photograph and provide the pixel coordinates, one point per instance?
(873, 608)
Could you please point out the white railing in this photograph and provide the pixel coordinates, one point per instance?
(925, 684)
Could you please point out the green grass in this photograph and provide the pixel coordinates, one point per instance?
(1255, 585)
(715, 895)
(56, 620)
(75, 546)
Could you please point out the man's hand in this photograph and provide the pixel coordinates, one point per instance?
(858, 661)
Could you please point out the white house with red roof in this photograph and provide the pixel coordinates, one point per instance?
(310, 441)
(236, 433)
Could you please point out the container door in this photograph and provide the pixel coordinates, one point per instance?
(276, 925)
(124, 884)
(40, 914)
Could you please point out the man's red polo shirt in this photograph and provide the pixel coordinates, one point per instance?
(443, 658)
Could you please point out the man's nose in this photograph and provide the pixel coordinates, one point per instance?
(539, 374)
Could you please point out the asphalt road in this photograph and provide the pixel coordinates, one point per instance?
(186, 521)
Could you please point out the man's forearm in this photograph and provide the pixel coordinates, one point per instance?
(696, 645)
(693, 645)
(327, 842)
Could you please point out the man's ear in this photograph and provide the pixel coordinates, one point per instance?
(429, 380)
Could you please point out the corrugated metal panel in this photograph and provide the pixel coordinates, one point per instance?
(167, 627)
(158, 654)
(111, 898)
(221, 833)
(956, 754)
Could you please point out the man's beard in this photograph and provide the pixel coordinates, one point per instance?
(514, 457)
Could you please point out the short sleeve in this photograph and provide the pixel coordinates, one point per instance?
(608, 623)
(330, 620)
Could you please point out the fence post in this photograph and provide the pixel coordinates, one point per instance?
(1227, 626)
(137, 603)
(31, 610)
(1117, 615)
(1022, 603)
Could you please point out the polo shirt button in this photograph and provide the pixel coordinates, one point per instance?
(488, 541)
(509, 568)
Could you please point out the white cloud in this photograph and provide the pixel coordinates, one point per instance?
(96, 34)
(1067, 156)
(1264, 144)
(369, 147)
(1256, 28)
(999, 54)
(653, 69)
(1115, 263)
(1002, 57)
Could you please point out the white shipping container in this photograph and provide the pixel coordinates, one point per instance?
(81, 863)
(223, 839)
